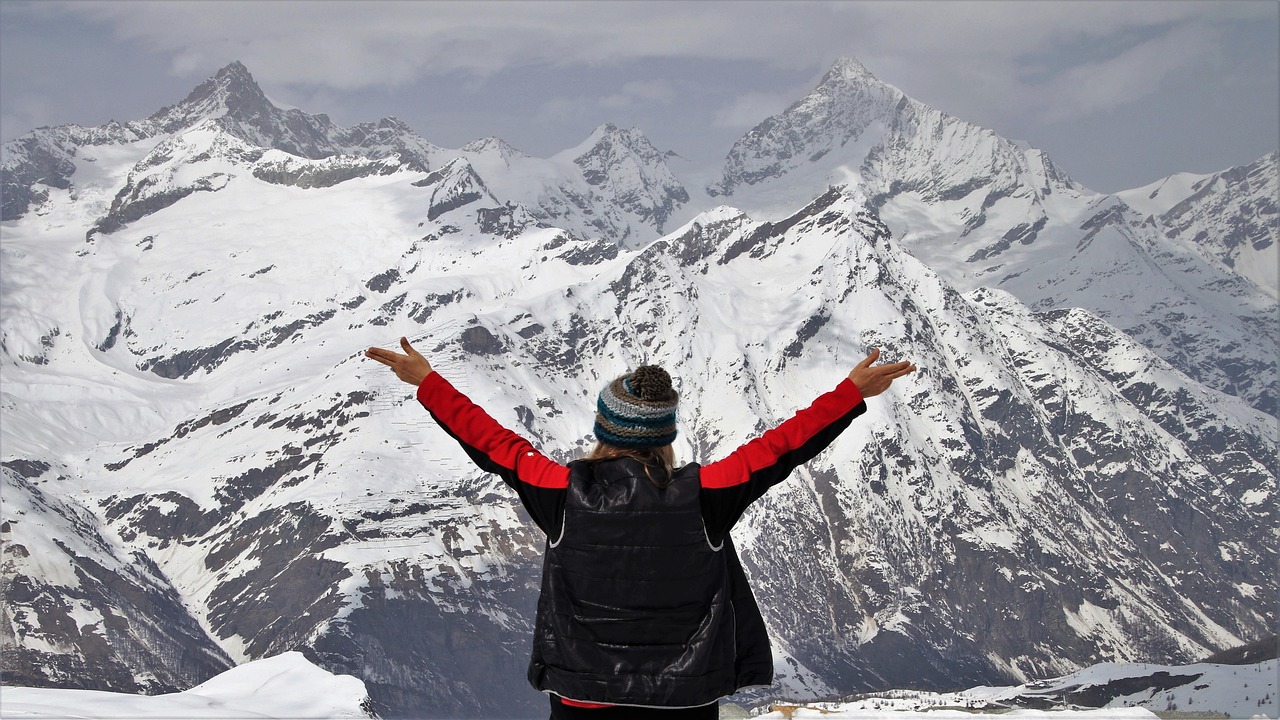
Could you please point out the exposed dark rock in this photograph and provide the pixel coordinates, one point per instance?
(322, 176)
(753, 244)
(805, 333)
(291, 591)
(29, 469)
(478, 340)
(131, 204)
(440, 665)
(186, 363)
(383, 281)
(1024, 233)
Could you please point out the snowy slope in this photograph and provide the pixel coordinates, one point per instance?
(1230, 217)
(284, 686)
(182, 337)
(287, 686)
(1238, 691)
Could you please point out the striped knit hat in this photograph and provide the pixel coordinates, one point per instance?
(638, 410)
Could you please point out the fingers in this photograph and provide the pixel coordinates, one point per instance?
(895, 371)
(873, 379)
(898, 369)
(386, 357)
(870, 358)
(412, 367)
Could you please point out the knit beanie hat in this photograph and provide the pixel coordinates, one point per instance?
(638, 410)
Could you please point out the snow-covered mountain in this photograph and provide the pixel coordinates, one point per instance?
(1186, 265)
(94, 613)
(1230, 216)
(615, 184)
(187, 412)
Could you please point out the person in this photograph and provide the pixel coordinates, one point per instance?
(644, 609)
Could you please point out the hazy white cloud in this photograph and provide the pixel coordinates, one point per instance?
(638, 92)
(356, 44)
(1134, 74)
(978, 50)
(725, 65)
(631, 95)
(748, 109)
(1019, 52)
(22, 114)
(560, 109)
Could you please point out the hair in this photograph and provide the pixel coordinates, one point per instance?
(661, 458)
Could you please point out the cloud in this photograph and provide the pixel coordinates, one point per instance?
(632, 95)
(21, 114)
(975, 59)
(349, 45)
(558, 110)
(1130, 76)
(638, 92)
(746, 110)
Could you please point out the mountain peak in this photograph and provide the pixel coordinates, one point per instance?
(231, 91)
(235, 71)
(606, 136)
(231, 87)
(495, 145)
(606, 129)
(632, 169)
(847, 102)
(848, 69)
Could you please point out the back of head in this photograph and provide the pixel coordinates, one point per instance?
(636, 417)
(638, 410)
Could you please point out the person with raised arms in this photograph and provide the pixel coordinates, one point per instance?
(644, 609)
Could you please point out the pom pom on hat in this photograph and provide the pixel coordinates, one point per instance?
(638, 410)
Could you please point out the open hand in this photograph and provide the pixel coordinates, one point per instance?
(875, 380)
(411, 367)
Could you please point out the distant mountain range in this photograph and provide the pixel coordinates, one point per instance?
(200, 469)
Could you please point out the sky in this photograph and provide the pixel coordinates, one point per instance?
(1120, 93)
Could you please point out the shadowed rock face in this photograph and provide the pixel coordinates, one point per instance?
(118, 625)
(415, 652)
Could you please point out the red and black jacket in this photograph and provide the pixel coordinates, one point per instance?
(644, 601)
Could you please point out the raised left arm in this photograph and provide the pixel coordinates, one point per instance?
(539, 481)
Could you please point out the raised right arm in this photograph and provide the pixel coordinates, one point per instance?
(731, 484)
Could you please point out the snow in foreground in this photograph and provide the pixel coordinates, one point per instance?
(284, 686)
(847, 713)
(1136, 690)
(289, 686)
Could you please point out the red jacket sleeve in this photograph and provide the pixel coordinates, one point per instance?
(538, 480)
(731, 484)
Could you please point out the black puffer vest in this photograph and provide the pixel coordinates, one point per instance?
(637, 607)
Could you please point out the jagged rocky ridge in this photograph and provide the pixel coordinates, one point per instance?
(611, 186)
(1186, 258)
(191, 375)
(98, 615)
